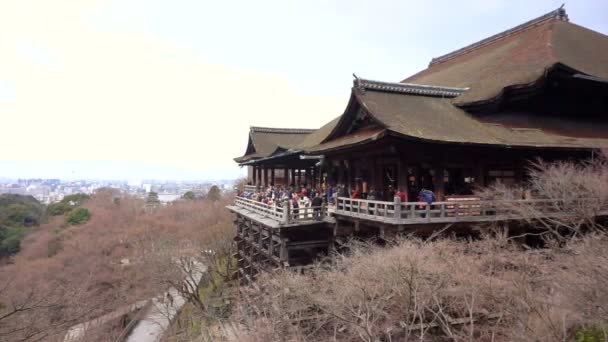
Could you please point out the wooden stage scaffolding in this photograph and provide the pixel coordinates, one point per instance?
(271, 237)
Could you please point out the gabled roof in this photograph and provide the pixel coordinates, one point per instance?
(428, 106)
(436, 119)
(518, 56)
(266, 141)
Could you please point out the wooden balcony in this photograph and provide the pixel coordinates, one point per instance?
(397, 213)
(280, 214)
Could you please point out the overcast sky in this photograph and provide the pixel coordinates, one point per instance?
(167, 89)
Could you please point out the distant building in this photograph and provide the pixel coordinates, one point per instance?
(147, 187)
(167, 198)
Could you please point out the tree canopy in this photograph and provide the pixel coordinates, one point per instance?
(17, 214)
(189, 195)
(152, 198)
(78, 216)
(66, 205)
(214, 193)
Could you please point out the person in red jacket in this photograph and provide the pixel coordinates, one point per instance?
(402, 195)
(355, 193)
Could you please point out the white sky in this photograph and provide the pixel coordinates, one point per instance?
(167, 89)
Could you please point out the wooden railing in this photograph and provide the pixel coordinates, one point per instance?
(303, 214)
(282, 212)
(250, 188)
(451, 211)
(407, 212)
(271, 211)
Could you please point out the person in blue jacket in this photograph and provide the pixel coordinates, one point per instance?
(427, 196)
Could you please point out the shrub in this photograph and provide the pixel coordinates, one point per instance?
(591, 334)
(66, 204)
(78, 216)
(189, 195)
(54, 246)
(441, 290)
(58, 208)
(75, 199)
(10, 240)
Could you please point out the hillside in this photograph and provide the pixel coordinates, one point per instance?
(67, 274)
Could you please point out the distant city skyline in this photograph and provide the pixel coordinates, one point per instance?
(161, 89)
(54, 190)
(111, 170)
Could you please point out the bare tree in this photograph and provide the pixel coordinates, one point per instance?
(568, 197)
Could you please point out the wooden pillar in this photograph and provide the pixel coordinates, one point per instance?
(293, 177)
(265, 180)
(401, 175)
(272, 177)
(254, 178)
(418, 171)
(439, 183)
(259, 177)
(349, 177)
(374, 176)
(480, 175)
(286, 177)
(299, 177)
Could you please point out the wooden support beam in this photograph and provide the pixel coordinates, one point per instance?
(272, 177)
(439, 183)
(265, 181)
(480, 174)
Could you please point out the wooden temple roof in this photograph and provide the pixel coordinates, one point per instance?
(266, 141)
(432, 104)
(436, 119)
(518, 56)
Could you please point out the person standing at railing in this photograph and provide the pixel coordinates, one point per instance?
(294, 203)
(317, 203)
(402, 195)
(373, 195)
(390, 194)
(426, 196)
(330, 194)
(356, 193)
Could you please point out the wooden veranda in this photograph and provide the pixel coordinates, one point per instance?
(270, 237)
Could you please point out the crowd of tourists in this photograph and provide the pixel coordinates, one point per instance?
(301, 196)
(305, 196)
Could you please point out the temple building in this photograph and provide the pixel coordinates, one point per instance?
(475, 115)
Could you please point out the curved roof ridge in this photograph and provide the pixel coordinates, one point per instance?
(256, 129)
(557, 14)
(408, 88)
